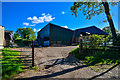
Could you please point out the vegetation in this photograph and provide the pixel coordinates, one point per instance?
(94, 41)
(93, 53)
(100, 56)
(23, 42)
(91, 9)
(109, 37)
(24, 36)
(25, 33)
(118, 41)
(11, 63)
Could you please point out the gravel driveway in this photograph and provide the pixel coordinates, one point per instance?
(55, 62)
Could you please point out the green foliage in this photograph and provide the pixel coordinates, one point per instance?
(16, 36)
(95, 41)
(107, 29)
(89, 9)
(25, 33)
(23, 42)
(99, 56)
(11, 64)
(109, 37)
(33, 68)
(118, 40)
(24, 36)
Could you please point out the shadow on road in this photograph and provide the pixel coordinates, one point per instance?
(66, 71)
(55, 74)
(64, 61)
(69, 60)
(103, 72)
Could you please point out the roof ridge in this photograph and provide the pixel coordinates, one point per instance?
(86, 27)
(60, 26)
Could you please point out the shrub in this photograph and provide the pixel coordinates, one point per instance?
(118, 40)
(94, 41)
(23, 42)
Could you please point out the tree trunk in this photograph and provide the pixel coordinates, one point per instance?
(109, 18)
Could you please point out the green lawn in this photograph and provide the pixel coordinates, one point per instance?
(11, 63)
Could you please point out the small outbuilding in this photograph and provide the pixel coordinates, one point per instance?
(8, 38)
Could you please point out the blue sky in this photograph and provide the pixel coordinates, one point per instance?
(37, 14)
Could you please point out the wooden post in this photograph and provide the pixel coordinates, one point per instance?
(32, 53)
(105, 43)
(80, 43)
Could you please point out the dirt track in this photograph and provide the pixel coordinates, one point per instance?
(55, 62)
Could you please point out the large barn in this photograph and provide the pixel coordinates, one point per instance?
(53, 34)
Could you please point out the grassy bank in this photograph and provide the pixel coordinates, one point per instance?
(97, 56)
(11, 63)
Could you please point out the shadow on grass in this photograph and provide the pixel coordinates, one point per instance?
(15, 57)
(25, 60)
(15, 51)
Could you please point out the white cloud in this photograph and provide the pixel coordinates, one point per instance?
(43, 13)
(38, 30)
(36, 21)
(34, 30)
(48, 18)
(35, 18)
(65, 26)
(29, 18)
(42, 19)
(53, 17)
(26, 24)
(63, 12)
(33, 25)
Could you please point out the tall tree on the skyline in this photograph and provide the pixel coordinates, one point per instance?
(91, 9)
(25, 33)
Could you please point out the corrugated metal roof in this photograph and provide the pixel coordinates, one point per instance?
(91, 30)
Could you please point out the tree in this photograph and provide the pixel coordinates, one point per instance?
(107, 29)
(25, 33)
(90, 9)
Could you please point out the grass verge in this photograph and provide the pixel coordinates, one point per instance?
(98, 58)
(11, 63)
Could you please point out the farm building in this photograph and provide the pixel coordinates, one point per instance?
(8, 38)
(87, 31)
(53, 34)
